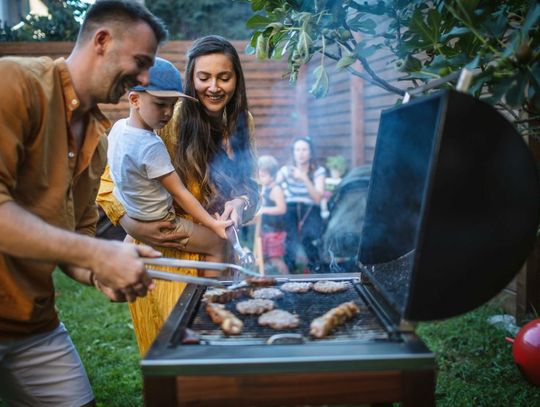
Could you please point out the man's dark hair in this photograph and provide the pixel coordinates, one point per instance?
(120, 11)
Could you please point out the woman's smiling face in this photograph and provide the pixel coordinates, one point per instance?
(215, 82)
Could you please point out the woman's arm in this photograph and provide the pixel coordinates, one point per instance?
(172, 183)
(315, 188)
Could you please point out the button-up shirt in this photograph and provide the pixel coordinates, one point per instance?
(42, 170)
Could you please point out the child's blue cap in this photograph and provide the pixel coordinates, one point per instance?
(164, 80)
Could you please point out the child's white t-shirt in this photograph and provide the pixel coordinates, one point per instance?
(136, 158)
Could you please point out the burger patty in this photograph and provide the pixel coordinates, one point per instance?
(254, 307)
(279, 319)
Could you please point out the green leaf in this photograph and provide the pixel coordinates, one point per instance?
(346, 61)
(366, 25)
(258, 22)
(362, 51)
(478, 83)
(454, 32)
(497, 27)
(428, 33)
(531, 19)
(257, 5)
(535, 73)
(261, 50)
(513, 44)
(498, 90)
(410, 64)
(253, 40)
(474, 63)
(320, 87)
(516, 93)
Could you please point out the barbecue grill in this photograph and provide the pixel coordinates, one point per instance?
(451, 215)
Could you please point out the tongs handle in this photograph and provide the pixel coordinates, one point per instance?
(195, 264)
(163, 275)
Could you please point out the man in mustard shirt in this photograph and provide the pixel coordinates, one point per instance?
(52, 154)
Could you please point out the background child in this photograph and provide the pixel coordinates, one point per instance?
(273, 208)
(145, 180)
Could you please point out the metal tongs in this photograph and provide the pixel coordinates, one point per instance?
(192, 264)
(244, 257)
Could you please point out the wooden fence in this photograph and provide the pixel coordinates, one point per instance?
(281, 111)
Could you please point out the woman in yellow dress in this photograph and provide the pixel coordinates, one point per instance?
(211, 144)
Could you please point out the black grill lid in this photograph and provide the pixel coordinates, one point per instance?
(452, 209)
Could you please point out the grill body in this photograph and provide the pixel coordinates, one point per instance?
(366, 360)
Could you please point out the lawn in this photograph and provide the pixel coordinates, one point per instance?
(475, 363)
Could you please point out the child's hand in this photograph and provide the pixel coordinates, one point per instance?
(220, 226)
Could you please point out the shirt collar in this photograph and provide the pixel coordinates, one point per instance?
(71, 99)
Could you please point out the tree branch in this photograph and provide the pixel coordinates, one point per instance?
(371, 76)
(379, 81)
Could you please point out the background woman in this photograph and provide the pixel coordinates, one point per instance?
(211, 146)
(303, 184)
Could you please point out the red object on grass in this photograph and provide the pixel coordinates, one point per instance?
(526, 351)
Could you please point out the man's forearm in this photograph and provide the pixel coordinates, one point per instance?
(23, 234)
(79, 274)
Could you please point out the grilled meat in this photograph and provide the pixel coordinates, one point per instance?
(329, 287)
(229, 323)
(322, 326)
(254, 307)
(267, 293)
(296, 287)
(221, 295)
(279, 319)
(263, 281)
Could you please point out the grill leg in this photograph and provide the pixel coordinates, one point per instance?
(159, 391)
(419, 389)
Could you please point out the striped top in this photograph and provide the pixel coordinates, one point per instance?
(296, 191)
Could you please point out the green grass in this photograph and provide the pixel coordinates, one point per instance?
(475, 362)
(103, 335)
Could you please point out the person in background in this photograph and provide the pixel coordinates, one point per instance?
(52, 153)
(211, 146)
(303, 184)
(272, 213)
(141, 169)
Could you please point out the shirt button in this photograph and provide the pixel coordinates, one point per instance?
(71, 154)
(74, 102)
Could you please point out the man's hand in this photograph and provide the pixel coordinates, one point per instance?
(113, 295)
(157, 233)
(119, 267)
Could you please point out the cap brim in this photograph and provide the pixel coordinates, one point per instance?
(170, 93)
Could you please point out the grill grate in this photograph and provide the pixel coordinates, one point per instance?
(308, 306)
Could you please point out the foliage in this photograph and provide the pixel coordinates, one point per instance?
(337, 163)
(62, 23)
(184, 19)
(499, 39)
(193, 19)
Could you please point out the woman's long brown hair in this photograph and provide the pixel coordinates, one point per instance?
(200, 156)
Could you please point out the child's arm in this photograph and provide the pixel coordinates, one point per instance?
(277, 195)
(172, 183)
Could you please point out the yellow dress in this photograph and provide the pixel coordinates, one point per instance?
(149, 313)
